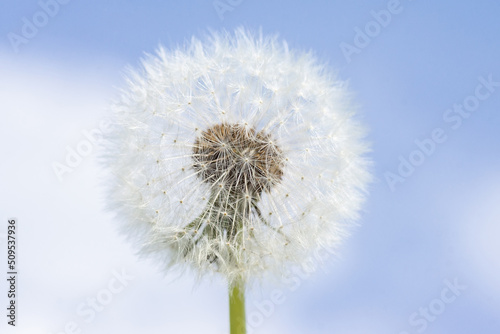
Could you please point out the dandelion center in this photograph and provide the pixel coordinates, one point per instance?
(238, 158)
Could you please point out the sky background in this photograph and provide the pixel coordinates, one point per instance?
(437, 226)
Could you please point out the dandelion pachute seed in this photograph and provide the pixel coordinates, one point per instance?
(235, 155)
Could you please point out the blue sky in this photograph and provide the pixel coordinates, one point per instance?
(436, 226)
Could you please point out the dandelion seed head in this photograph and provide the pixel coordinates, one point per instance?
(243, 160)
(235, 155)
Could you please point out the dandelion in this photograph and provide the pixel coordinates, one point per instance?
(237, 156)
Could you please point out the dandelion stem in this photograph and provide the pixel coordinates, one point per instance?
(237, 321)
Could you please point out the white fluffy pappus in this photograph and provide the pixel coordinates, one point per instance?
(234, 155)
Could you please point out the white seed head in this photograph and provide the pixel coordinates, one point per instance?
(234, 155)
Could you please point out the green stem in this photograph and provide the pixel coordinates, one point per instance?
(237, 322)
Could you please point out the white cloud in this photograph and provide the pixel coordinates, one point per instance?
(479, 233)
